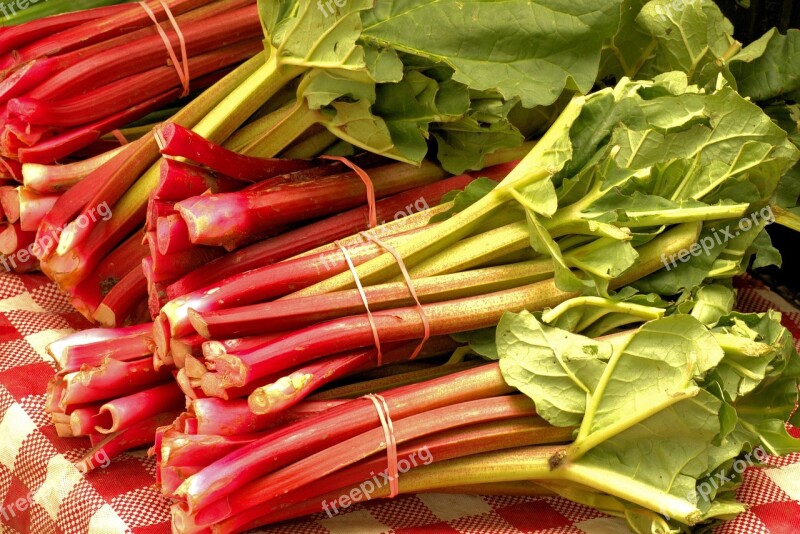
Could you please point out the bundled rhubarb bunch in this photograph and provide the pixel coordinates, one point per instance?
(635, 424)
(626, 181)
(69, 81)
(62, 90)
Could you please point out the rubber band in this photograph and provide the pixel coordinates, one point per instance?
(371, 201)
(119, 136)
(363, 294)
(391, 442)
(182, 68)
(400, 263)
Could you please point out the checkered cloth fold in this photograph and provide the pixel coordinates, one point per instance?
(41, 492)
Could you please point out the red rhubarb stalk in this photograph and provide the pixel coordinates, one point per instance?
(75, 199)
(400, 324)
(35, 77)
(117, 96)
(262, 284)
(305, 239)
(113, 379)
(182, 142)
(222, 218)
(126, 303)
(17, 246)
(9, 202)
(127, 411)
(200, 36)
(83, 421)
(59, 178)
(89, 294)
(301, 383)
(33, 207)
(130, 212)
(186, 450)
(122, 344)
(234, 418)
(60, 349)
(441, 446)
(186, 346)
(180, 181)
(68, 142)
(174, 264)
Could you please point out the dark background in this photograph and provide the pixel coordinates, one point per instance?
(751, 23)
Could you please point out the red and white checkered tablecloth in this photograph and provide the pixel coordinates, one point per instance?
(41, 492)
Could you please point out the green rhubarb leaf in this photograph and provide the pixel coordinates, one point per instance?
(650, 435)
(764, 253)
(764, 414)
(692, 36)
(543, 243)
(605, 259)
(739, 140)
(482, 342)
(712, 302)
(354, 122)
(301, 34)
(410, 106)
(496, 45)
(383, 64)
(475, 190)
(759, 376)
(666, 453)
(553, 367)
(322, 87)
(625, 53)
(770, 67)
(655, 370)
(788, 192)
(463, 144)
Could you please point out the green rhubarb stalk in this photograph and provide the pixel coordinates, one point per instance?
(273, 141)
(786, 218)
(646, 313)
(533, 463)
(249, 133)
(313, 146)
(378, 385)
